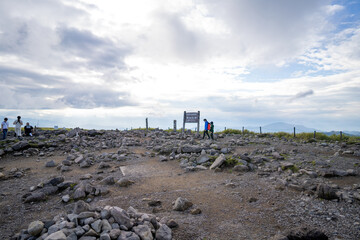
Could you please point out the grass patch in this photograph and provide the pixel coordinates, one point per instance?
(294, 168)
(309, 137)
(212, 159)
(235, 131)
(230, 162)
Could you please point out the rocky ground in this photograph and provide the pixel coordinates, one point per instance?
(131, 185)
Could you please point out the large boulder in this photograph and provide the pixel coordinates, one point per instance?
(163, 233)
(35, 197)
(81, 206)
(326, 192)
(121, 217)
(144, 232)
(20, 145)
(191, 149)
(59, 235)
(203, 158)
(35, 228)
(56, 180)
(219, 160)
(125, 235)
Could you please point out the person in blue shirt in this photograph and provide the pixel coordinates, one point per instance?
(206, 129)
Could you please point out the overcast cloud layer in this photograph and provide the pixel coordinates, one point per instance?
(111, 64)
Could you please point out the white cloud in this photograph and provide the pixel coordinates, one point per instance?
(169, 56)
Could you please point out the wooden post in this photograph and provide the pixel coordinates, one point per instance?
(174, 125)
(183, 130)
(340, 135)
(147, 125)
(198, 125)
(243, 130)
(260, 130)
(225, 128)
(294, 132)
(314, 134)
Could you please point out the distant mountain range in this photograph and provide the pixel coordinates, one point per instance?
(286, 127)
(289, 128)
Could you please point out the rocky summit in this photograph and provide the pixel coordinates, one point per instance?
(136, 185)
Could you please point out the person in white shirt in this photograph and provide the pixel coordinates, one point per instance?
(4, 128)
(18, 123)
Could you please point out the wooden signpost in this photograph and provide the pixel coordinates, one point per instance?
(191, 117)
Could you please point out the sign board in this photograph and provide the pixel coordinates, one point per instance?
(191, 117)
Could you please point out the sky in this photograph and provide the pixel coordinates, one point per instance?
(111, 64)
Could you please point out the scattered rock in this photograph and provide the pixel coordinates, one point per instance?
(182, 204)
(241, 168)
(35, 228)
(163, 233)
(195, 211)
(154, 203)
(59, 235)
(108, 180)
(50, 163)
(124, 182)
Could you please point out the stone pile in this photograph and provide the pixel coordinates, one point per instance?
(106, 223)
(69, 189)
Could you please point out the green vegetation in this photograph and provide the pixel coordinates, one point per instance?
(143, 129)
(231, 162)
(294, 168)
(309, 137)
(212, 158)
(235, 131)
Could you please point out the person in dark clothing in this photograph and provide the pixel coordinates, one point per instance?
(206, 129)
(212, 130)
(28, 129)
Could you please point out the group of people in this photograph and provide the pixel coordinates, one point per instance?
(18, 123)
(209, 126)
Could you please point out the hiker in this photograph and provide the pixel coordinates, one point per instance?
(28, 129)
(206, 129)
(18, 123)
(4, 128)
(212, 130)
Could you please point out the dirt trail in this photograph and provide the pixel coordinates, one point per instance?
(234, 206)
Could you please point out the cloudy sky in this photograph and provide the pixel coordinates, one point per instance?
(110, 64)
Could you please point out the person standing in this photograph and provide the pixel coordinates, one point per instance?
(212, 130)
(4, 128)
(206, 129)
(28, 129)
(18, 123)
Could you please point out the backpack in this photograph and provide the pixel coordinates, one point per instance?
(209, 126)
